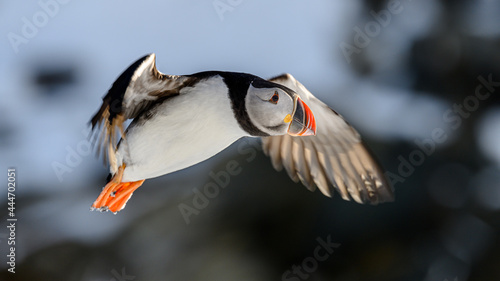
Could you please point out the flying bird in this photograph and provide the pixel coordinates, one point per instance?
(181, 120)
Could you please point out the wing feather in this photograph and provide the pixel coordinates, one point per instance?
(136, 90)
(274, 152)
(301, 165)
(287, 157)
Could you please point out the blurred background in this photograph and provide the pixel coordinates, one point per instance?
(418, 79)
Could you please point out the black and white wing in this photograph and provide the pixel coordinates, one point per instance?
(134, 92)
(334, 158)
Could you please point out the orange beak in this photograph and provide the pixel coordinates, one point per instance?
(303, 122)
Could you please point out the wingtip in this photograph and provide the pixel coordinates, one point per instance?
(151, 56)
(386, 194)
(283, 76)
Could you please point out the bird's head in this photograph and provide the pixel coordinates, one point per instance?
(277, 110)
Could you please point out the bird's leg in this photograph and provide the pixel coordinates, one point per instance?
(116, 193)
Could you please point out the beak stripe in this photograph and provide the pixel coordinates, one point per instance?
(303, 121)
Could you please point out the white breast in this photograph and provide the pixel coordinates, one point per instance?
(189, 128)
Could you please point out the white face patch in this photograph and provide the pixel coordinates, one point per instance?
(268, 109)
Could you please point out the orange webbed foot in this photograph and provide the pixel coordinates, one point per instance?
(116, 193)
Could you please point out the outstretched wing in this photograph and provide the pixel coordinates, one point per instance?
(334, 158)
(133, 93)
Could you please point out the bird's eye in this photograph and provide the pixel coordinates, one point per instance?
(275, 98)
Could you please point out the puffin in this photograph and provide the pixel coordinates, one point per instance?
(181, 120)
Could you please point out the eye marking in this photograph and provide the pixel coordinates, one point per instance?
(275, 98)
